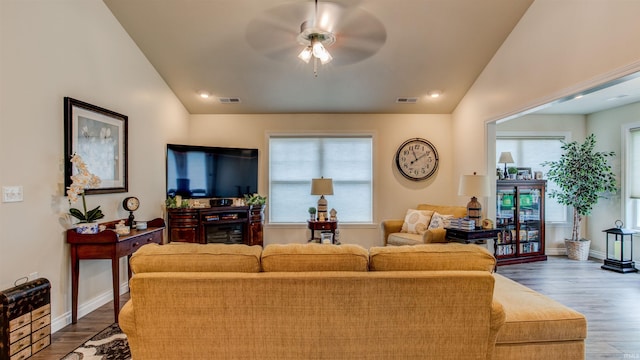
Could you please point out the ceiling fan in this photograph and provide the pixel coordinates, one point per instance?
(325, 31)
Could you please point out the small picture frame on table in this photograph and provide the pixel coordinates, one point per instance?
(524, 173)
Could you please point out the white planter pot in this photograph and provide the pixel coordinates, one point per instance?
(87, 228)
(578, 250)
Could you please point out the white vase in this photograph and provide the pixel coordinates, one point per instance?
(87, 228)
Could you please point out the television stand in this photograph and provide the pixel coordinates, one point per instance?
(218, 224)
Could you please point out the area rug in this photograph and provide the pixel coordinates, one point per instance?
(109, 344)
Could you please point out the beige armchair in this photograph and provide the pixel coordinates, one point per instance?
(391, 228)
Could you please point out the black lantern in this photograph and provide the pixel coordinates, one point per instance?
(617, 258)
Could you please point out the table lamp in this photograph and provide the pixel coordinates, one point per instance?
(506, 158)
(322, 187)
(474, 186)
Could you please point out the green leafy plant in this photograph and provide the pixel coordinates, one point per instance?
(512, 170)
(81, 181)
(172, 203)
(582, 176)
(312, 210)
(255, 199)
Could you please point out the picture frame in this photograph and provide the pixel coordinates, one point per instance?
(99, 136)
(525, 172)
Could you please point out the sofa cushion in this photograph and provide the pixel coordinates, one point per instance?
(314, 257)
(187, 257)
(456, 211)
(404, 239)
(416, 221)
(439, 221)
(452, 256)
(535, 318)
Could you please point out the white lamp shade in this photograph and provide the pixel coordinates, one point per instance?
(506, 158)
(322, 186)
(474, 185)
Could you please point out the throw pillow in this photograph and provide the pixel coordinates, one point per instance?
(416, 221)
(439, 221)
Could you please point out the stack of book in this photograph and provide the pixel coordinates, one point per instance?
(462, 224)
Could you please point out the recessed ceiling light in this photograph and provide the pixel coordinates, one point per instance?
(434, 94)
(204, 94)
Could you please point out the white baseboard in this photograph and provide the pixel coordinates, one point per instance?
(87, 307)
(563, 252)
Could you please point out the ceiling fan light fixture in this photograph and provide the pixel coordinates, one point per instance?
(315, 42)
(305, 54)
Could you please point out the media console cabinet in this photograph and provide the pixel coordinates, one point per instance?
(221, 224)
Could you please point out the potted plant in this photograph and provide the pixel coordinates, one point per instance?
(582, 176)
(255, 199)
(312, 213)
(512, 172)
(81, 181)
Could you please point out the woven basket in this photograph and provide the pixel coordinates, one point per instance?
(578, 250)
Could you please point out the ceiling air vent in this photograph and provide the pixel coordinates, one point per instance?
(407, 100)
(227, 100)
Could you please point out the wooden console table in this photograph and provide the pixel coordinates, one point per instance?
(108, 245)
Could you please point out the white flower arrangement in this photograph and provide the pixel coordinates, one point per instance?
(81, 181)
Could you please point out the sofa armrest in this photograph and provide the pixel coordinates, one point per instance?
(434, 236)
(126, 318)
(498, 318)
(390, 227)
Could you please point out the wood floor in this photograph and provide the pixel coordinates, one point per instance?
(611, 302)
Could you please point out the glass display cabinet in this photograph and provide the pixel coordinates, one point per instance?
(520, 219)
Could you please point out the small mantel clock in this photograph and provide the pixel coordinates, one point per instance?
(131, 204)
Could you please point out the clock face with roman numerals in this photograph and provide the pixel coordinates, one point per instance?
(417, 159)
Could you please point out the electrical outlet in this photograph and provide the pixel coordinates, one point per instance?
(33, 276)
(11, 193)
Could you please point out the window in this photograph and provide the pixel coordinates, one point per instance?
(633, 175)
(530, 150)
(295, 160)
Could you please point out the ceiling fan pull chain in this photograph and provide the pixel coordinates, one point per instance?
(315, 66)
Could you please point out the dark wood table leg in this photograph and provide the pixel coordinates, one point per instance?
(115, 272)
(128, 267)
(75, 274)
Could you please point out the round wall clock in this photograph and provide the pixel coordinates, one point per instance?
(417, 159)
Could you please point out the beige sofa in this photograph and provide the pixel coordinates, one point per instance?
(392, 229)
(312, 301)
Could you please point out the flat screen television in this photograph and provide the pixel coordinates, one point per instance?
(211, 172)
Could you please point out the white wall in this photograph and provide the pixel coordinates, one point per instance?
(557, 49)
(76, 48)
(608, 125)
(393, 194)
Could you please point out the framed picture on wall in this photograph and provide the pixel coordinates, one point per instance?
(99, 136)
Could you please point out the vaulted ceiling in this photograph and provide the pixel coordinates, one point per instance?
(383, 50)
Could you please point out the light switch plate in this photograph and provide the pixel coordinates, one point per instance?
(11, 193)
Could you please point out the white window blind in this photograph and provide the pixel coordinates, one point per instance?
(634, 163)
(530, 152)
(295, 160)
